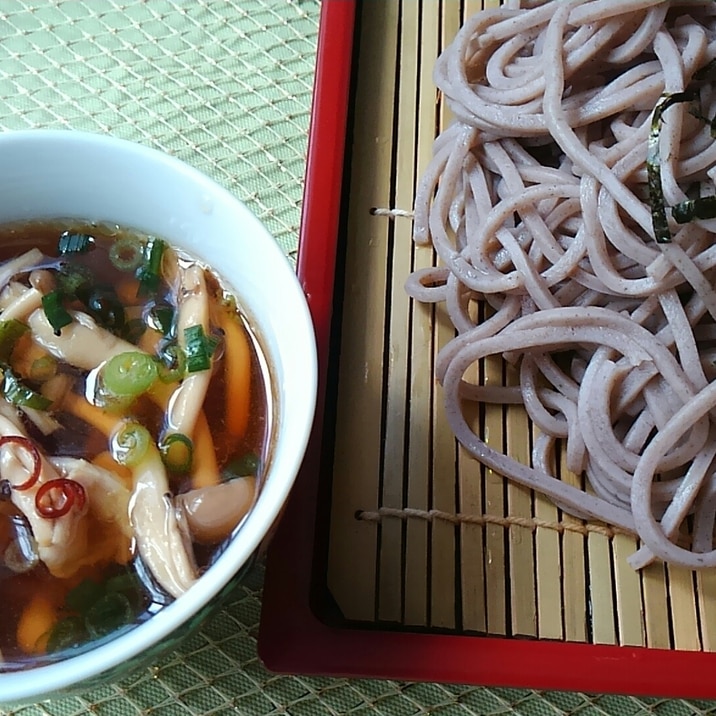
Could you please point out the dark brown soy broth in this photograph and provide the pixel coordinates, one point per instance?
(76, 438)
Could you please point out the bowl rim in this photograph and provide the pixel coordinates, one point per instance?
(70, 673)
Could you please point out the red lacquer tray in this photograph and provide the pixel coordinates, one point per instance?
(301, 632)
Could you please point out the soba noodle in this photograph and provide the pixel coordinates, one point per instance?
(537, 203)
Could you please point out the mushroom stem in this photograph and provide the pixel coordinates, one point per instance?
(187, 399)
(22, 305)
(30, 258)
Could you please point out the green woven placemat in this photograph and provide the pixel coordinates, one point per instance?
(224, 85)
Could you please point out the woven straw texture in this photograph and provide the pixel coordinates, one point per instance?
(224, 85)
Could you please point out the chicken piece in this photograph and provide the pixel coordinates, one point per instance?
(107, 494)
(61, 541)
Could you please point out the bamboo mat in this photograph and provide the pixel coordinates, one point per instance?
(421, 535)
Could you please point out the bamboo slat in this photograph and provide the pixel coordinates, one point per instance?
(600, 590)
(656, 607)
(523, 608)
(574, 575)
(397, 351)
(416, 585)
(421, 535)
(682, 602)
(706, 587)
(353, 545)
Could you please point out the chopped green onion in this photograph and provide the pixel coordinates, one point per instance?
(124, 582)
(42, 369)
(177, 452)
(84, 595)
(149, 273)
(68, 633)
(111, 611)
(70, 243)
(105, 307)
(243, 466)
(129, 374)
(71, 278)
(172, 363)
(199, 348)
(10, 332)
(130, 444)
(128, 584)
(702, 208)
(96, 609)
(56, 313)
(17, 393)
(161, 318)
(126, 253)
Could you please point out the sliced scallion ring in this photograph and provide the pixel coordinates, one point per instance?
(172, 363)
(44, 368)
(126, 253)
(177, 451)
(110, 612)
(130, 444)
(129, 374)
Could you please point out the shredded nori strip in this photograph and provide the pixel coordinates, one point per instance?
(659, 220)
(705, 72)
(704, 207)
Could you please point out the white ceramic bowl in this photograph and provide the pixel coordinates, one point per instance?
(67, 174)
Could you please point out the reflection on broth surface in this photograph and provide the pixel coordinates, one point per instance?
(134, 426)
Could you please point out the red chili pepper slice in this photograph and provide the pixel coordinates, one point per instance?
(71, 493)
(34, 453)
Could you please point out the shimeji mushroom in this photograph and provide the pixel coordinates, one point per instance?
(82, 343)
(20, 302)
(27, 261)
(211, 513)
(163, 546)
(187, 399)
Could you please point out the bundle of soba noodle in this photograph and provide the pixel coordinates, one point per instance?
(582, 128)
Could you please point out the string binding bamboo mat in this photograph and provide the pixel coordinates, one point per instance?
(421, 536)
